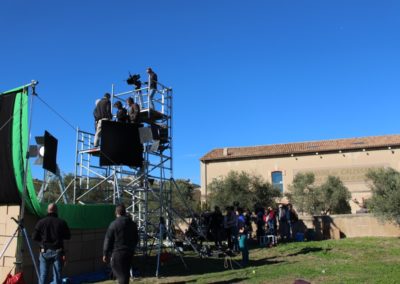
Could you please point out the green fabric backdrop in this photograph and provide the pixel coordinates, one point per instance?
(77, 216)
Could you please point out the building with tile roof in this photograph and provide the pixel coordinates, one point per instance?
(349, 159)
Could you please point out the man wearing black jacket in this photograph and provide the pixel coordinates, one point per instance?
(51, 232)
(119, 244)
(133, 111)
(122, 115)
(101, 112)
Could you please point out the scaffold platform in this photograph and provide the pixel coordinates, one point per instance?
(145, 190)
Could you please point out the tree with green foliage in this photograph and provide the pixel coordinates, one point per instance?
(183, 199)
(304, 194)
(335, 197)
(265, 194)
(53, 189)
(248, 190)
(332, 197)
(385, 200)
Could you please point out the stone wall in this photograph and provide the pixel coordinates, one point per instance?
(347, 226)
(84, 250)
(7, 229)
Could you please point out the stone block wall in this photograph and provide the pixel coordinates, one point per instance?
(7, 229)
(84, 250)
(348, 226)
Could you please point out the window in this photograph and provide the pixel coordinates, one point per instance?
(277, 180)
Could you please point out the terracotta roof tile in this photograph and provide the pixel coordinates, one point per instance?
(303, 147)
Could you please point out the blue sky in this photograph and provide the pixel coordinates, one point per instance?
(244, 73)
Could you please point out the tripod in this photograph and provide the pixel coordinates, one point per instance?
(21, 229)
(163, 230)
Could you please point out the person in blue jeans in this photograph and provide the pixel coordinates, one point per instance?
(243, 237)
(152, 86)
(271, 220)
(51, 232)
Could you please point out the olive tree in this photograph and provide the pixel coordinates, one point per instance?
(385, 200)
(240, 187)
(331, 197)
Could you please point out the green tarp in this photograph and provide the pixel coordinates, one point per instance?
(77, 216)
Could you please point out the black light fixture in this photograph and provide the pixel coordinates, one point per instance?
(46, 151)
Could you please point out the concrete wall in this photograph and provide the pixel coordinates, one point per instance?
(349, 167)
(347, 226)
(84, 250)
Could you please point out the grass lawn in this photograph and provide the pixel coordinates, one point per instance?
(359, 260)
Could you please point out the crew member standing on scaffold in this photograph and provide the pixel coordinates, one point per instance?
(121, 115)
(101, 112)
(152, 86)
(133, 111)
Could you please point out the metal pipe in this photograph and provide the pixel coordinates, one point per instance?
(76, 168)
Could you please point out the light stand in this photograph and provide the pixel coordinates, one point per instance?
(21, 229)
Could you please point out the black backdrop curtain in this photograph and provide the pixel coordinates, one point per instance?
(9, 193)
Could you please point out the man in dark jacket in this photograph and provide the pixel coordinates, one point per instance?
(122, 115)
(119, 244)
(133, 111)
(101, 112)
(51, 232)
(216, 226)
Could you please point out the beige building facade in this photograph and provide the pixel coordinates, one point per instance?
(349, 159)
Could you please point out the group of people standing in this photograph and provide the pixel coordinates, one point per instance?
(118, 249)
(234, 227)
(130, 114)
(274, 222)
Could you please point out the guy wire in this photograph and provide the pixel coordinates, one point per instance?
(57, 113)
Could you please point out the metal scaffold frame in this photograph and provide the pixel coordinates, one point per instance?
(146, 190)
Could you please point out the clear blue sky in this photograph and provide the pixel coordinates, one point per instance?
(244, 73)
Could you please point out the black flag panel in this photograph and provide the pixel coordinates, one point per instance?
(120, 144)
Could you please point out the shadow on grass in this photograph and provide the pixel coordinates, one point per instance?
(235, 280)
(174, 266)
(264, 261)
(308, 250)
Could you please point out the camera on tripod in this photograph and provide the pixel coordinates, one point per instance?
(134, 80)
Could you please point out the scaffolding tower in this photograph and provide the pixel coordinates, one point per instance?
(145, 190)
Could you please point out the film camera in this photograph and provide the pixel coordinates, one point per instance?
(134, 80)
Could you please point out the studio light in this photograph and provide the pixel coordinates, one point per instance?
(45, 151)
